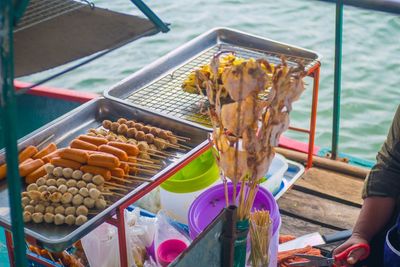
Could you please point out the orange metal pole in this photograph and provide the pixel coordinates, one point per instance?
(313, 120)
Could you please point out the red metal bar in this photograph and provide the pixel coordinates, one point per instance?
(123, 255)
(58, 93)
(159, 181)
(112, 221)
(313, 121)
(10, 250)
(41, 262)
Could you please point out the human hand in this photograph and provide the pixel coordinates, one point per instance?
(354, 255)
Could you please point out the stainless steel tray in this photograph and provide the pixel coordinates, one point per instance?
(66, 128)
(157, 87)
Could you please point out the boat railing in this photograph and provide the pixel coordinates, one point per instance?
(390, 6)
(11, 11)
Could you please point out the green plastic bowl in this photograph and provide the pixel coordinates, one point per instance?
(198, 174)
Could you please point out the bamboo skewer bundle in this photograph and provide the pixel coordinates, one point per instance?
(260, 237)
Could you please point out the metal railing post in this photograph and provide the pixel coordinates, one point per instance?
(9, 120)
(151, 15)
(338, 78)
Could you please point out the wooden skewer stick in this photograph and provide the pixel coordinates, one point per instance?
(158, 151)
(163, 153)
(139, 178)
(151, 172)
(187, 147)
(117, 185)
(181, 137)
(155, 155)
(144, 166)
(51, 256)
(116, 188)
(120, 179)
(144, 160)
(112, 194)
(157, 161)
(167, 143)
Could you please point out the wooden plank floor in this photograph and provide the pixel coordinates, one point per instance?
(321, 201)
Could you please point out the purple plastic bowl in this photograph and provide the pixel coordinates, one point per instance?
(210, 203)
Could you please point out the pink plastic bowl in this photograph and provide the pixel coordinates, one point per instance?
(168, 250)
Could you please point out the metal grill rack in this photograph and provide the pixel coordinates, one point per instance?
(166, 95)
(41, 10)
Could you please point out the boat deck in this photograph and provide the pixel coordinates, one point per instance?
(322, 200)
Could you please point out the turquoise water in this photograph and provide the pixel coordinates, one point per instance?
(371, 58)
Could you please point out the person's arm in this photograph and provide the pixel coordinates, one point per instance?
(381, 189)
(375, 214)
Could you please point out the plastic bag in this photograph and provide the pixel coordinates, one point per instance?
(151, 201)
(140, 231)
(168, 229)
(101, 246)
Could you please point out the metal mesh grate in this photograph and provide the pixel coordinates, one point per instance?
(165, 95)
(41, 10)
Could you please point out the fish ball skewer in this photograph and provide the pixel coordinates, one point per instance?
(66, 198)
(87, 177)
(41, 181)
(81, 184)
(100, 204)
(50, 209)
(29, 208)
(73, 190)
(57, 171)
(61, 181)
(37, 217)
(94, 193)
(82, 210)
(71, 183)
(77, 200)
(70, 219)
(81, 219)
(84, 192)
(49, 217)
(77, 175)
(67, 172)
(32, 187)
(55, 197)
(89, 202)
(59, 219)
(42, 188)
(49, 168)
(59, 210)
(51, 182)
(52, 189)
(63, 188)
(98, 180)
(70, 210)
(27, 216)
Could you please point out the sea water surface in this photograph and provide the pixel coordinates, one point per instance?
(371, 58)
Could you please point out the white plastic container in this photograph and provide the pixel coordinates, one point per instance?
(275, 174)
